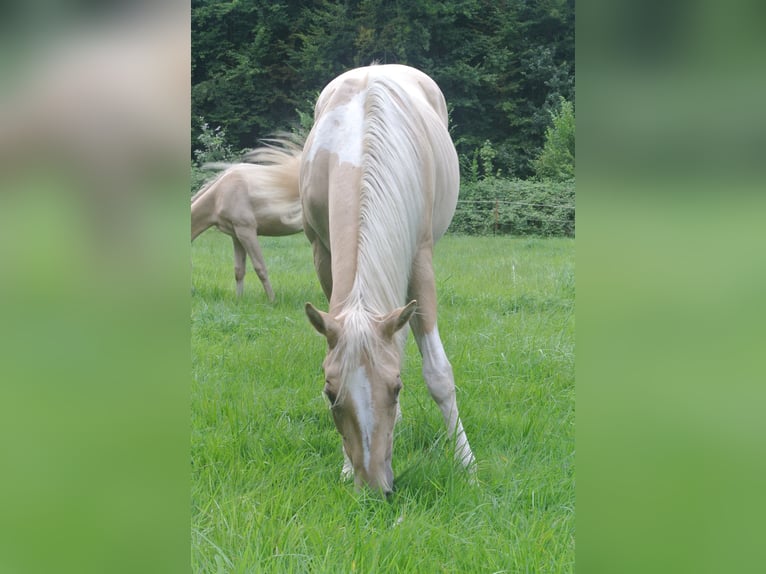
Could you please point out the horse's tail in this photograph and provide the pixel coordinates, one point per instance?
(279, 149)
(217, 165)
(280, 157)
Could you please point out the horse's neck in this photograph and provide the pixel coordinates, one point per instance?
(377, 216)
(365, 274)
(343, 240)
(203, 213)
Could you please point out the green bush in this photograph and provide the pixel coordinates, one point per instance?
(557, 158)
(515, 207)
(487, 204)
(214, 148)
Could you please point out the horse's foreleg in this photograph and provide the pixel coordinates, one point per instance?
(347, 472)
(240, 264)
(437, 370)
(249, 239)
(322, 262)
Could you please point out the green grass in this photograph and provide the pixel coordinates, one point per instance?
(266, 459)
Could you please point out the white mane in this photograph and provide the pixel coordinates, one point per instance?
(391, 197)
(391, 216)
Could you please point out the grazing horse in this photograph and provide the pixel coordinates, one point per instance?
(251, 199)
(379, 184)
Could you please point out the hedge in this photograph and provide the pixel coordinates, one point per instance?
(515, 207)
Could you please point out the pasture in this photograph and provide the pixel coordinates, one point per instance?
(266, 458)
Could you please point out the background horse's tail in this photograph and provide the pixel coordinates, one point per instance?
(217, 165)
(279, 160)
(278, 149)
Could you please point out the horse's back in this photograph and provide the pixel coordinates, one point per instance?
(417, 84)
(253, 196)
(335, 145)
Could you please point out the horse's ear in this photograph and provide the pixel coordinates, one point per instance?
(397, 319)
(323, 323)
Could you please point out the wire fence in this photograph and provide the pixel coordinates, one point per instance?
(496, 207)
(498, 202)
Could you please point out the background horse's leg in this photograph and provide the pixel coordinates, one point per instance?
(240, 264)
(249, 239)
(437, 370)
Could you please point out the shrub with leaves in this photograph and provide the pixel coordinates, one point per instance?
(214, 148)
(557, 158)
(515, 207)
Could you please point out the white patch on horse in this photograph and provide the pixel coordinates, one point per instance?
(339, 132)
(348, 469)
(434, 356)
(437, 372)
(361, 395)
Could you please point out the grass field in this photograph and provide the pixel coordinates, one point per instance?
(266, 459)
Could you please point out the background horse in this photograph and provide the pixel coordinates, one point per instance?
(379, 184)
(251, 199)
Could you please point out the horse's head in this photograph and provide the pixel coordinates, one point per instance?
(362, 384)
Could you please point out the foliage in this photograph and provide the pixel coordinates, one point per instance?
(480, 163)
(516, 207)
(213, 148)
(557, 158)
(503, 66)
(266, 494)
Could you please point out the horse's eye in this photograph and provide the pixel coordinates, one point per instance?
(331, 396)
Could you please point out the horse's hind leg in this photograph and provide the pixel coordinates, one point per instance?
(240, 265)
(249, 239)
(437, 370)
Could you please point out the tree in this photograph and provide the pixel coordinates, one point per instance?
(557, 159)
(502, 64)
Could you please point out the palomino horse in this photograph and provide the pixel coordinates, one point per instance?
(251, 199)
(379, 184)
